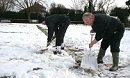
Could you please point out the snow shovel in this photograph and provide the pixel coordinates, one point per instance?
(43, 30)
(46, 33)
(89, 60)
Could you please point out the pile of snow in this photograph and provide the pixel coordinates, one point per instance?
(20, 57)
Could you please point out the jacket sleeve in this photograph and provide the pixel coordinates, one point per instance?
(99, 35)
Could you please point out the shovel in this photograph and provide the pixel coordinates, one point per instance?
(89, 60)
(43, 30)
(46, 33)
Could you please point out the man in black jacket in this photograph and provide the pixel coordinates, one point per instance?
(110, 30)
(57, 24)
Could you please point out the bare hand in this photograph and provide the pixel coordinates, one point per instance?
(90, 45)
(91, 31)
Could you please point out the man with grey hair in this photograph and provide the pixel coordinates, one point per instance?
(110, 30)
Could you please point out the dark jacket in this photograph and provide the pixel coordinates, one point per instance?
(105, 26)
(53, 22)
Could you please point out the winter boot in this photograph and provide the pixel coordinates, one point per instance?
(101, 54)
(115, 56)
(58, 50)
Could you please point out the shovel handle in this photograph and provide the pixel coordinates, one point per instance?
(92, 34)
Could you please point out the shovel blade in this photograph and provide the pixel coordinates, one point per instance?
(89, 62)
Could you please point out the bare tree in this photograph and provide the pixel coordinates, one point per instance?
(104, 5)
(60, 6)
(26, 4)
(23, 4)
(6, 5)
(78, 4)
(53, 5)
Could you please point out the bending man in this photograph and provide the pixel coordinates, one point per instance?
(110, 30)
(57, 24)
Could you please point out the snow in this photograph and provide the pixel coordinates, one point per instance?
(20, 56)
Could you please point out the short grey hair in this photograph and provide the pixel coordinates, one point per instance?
(87, 15)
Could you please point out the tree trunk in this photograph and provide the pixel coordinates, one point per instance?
(90, 8)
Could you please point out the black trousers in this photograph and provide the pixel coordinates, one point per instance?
(60, 32)
(113, 41)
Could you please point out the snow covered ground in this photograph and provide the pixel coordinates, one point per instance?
(20, 55)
